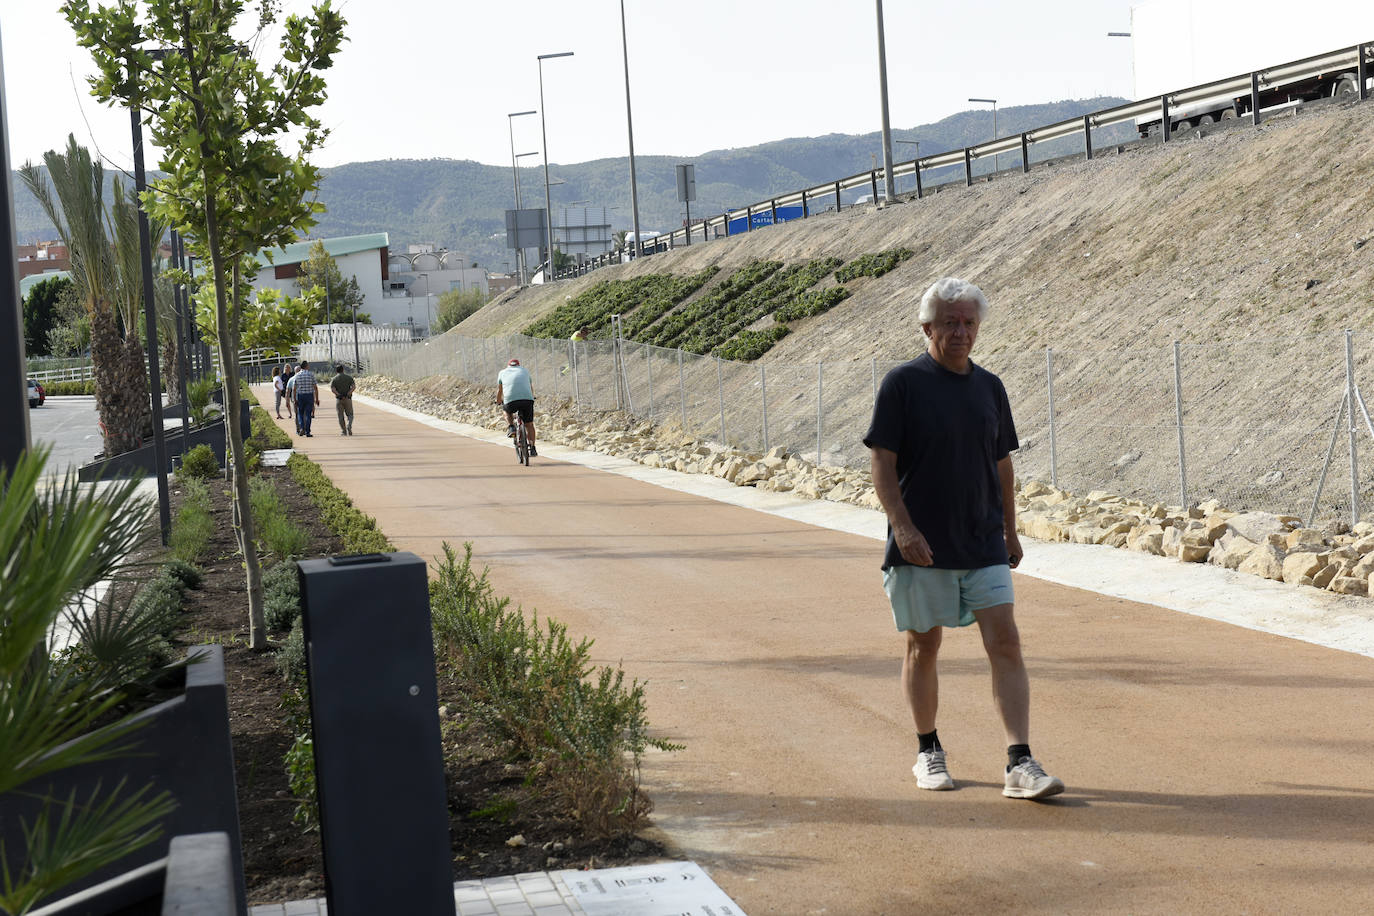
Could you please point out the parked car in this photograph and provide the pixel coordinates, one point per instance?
(36, 394)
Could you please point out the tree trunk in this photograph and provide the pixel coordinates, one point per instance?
(226, 341)
(172, 359)
(121, 384)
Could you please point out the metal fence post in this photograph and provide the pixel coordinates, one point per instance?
(720, 391)
(1178, 415)
(968, 168)
(1352, 395)
(1025, 154)
(682, 390)
(577, 391)
(1049, 378)
(649, 366)
(763, 399)
(820, 414)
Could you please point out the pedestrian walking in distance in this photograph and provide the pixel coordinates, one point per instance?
(342, 385)
(307, 397)
(941, 440)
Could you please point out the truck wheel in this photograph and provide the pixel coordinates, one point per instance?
(1345, 86)
(1206, 119)
(1228, 114)
(1183, 125)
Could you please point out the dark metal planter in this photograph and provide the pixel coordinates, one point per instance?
(183, 748)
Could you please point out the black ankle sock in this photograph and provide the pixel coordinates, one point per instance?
(930, 742)
(1015, 752)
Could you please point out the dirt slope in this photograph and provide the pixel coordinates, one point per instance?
(1246, 245)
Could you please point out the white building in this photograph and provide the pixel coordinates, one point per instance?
(400, 290)
(360, 257)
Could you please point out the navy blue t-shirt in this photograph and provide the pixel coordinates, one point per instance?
(948, 431)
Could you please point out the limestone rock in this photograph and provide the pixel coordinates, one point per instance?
(1230, 550)
(1265, 561)
(1308, 539)
(1349, 585)
(1300, 564)
(1328, 573)
(1256, 526)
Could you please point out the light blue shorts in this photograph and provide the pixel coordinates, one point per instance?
(924, 597)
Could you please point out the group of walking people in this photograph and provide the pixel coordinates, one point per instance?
(298, 386)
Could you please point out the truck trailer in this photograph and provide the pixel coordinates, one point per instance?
(1180, 44)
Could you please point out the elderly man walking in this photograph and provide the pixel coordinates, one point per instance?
(307, 397)
(941, 441)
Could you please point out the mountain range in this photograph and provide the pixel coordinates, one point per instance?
(461, 204)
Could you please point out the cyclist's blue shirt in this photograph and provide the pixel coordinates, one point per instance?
(515, 384)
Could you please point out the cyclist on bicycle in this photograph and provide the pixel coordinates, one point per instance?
(515, 394)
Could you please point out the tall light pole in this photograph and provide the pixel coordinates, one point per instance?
(515, 173)
(889, 185)
(996, 159)
(543, 131)
(629, 123)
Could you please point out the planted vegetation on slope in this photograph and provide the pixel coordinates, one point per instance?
(718, 322)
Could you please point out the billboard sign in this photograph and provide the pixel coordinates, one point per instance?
(526, 229)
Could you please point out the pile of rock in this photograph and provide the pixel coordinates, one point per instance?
(653, 445)
(1335, 557)
(1259, 543)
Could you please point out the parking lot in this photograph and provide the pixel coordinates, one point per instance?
(69, 426)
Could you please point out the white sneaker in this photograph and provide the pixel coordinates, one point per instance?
(1029, 780)
(930, 771)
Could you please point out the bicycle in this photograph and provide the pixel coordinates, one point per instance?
(522, 443)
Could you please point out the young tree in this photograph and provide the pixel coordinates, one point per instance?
(337, 295)
(41, 315)
(457, 305)
(220, 120)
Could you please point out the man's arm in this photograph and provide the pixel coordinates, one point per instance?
(909, 540)
(1007, 477)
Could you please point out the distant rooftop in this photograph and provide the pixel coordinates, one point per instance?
(297, 252)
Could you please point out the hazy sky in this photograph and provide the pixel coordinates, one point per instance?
(436, 78)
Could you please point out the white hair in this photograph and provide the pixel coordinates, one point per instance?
(951, 290)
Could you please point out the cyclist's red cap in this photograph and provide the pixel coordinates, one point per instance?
(513, 362)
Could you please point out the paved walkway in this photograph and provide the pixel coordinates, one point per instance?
(1210, 767)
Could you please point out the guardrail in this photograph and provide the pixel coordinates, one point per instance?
(1359, 57)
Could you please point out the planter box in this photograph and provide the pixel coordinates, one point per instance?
(144, 460)
(183, 748)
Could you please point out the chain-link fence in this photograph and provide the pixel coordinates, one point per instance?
(1258, 423)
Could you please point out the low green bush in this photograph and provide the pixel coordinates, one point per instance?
(872, 265)
(53, 389)
(281, 596)
(187, 574)
(583, 728)
(747, 345)
(198, 394)
(276, 533)
(199, 463)
(357, 531)
(265, 433)
(193, 527)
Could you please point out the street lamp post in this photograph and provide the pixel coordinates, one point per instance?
(164, 503)
(544, 133)
(629, 123)
(996, 159)
(515, 173)
(889, 184)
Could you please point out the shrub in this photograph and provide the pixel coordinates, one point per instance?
(872, 265)
(747, 345)
(199, 463)
(290, 656)
(54, 389)
(188, 575)
(265, 433)
(198, 394)
(582, 727)
(357, 531)
(281, 596)
(193, 526)
(275, 532)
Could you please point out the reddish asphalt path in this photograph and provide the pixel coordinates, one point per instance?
(1209, 768)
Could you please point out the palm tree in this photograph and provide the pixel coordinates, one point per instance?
(106, 269)
(54, 546)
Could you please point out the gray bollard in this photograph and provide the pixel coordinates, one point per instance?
(379, 767)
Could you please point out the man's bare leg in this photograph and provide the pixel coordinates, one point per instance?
(1010, 683)
(919, 678)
